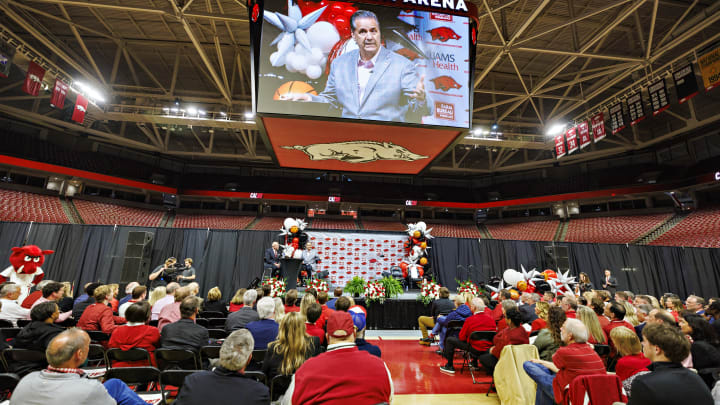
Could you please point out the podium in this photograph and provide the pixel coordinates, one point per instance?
(290, 269)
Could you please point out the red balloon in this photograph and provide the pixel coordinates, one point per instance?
(421, 271)
(296, 240)
(403, 266)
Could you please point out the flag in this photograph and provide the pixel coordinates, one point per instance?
(636, 110)
(658, 97)
(598, 126)
(685, 83)
(709, 65)
(571, 137)
(560, 146)
(617, 122)
(7, 52)
(33, 79)
(80, 109)
(584, 134)
(59, 93)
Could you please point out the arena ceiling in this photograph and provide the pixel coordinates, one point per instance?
(539, 62)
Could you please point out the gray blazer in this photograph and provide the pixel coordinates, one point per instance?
(386, 96)
(240, 318)
(41, 388)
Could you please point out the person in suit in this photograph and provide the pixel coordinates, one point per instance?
(610, 282)
(264, 330)
(226, 383)
(185, 333)
(310, 258)
(272, 259)
(240, 318)
(372, 82)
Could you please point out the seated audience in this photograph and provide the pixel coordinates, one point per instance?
(542, 309)
(569, 305)
(479, 321)
(616, 313)
(337, 293)
(704, 342)
(598, 306)
(81, 306)
(527, 308)
(661, 316)
(668, 382)
(194, 288)
(596, 335)
(291, 301)
(156, 295)
(237, 300)
(575, 357)
(168, 299)
(514, 334)
(137, 333)
(84, 296)
(265, 329)
(621, 297)
(99, 316)
(171, 313)
(441, 306)
(633, 360)
(307, 300)
(53, 291)
(497, 312)
(630, 314)
(37, 335)
(214, 301)
(322, 299)
(643, 310)
(674, 304)
(505, 306)
(713, 313)
(35, 294)
(344, 303)
(279, 309)
(359, 320)
(66, 301)
(548, 341)
(240, 318)
(341, 373)
(695, 304)
(64, 383)
(138, 294)
(226, 383)
(549, 297)
(460, 313)
(313, 314)
(10, 309)
(113, 301)
(128, 293)
(185, 333)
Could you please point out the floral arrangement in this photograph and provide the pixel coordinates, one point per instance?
(374, 291)
(277, 286)
(429, 291)
(319, 285)
(356, 286)
(467, 286)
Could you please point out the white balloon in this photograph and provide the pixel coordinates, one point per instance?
(323, 35)
(512, 276)
(316, 55)
(298, 62)
(421, 226)
(313, 71)
(289, 223)
(286, 42)
(276, 59)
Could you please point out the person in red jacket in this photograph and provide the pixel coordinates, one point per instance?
(633, 360)
(314, 312)
(541, 310)
(514, 334)
(479, 321)
(99, 316)
(291, 301)
(616, 313)
(137, 333)
(569, 305)
(322, 300)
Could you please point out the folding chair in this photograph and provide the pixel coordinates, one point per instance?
(22, 361)
(97, 336)
(477, 336)
(175, 378)
(154, 323)
(209, 352)
(134, 354)
(4, 323)
(216, 323)
(202, 322)
(21, 323)
(136, 377)
(96, 355)
(453, 328)
(277, 384)
(9, 334)
(257, 376)
(8, 382)
(217, 333)
(211, 314)
(177, 359)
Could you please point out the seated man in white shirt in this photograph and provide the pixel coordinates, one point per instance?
(11, 310)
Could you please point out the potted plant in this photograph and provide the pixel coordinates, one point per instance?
(393, 288)
(356, 286)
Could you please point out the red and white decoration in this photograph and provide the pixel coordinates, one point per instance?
(584, 134)
(319, 285)
(560, 150)
(598, 126)
(374, 291)
(571, 137)
(429, 291)
(277, 286)
(59, 92)
(80, 109)
(33, 79)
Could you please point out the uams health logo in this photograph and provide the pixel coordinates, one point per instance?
(444, 111)
(441, 17)
(443, 34)
(445, 83)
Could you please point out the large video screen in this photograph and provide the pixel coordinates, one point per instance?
(386, 64)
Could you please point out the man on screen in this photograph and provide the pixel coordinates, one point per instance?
(372, 82)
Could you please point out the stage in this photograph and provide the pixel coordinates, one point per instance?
(396, 313)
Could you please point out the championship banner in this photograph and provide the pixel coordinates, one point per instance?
(33, 79)
(617, 122)
(658, 97)
(685, 83)
(58, 95)
(635, 108)
(560, 146)
(7, 53)
(571, 137)
(598, 126)
(584, 134)
(710, 68)
(366, 255)
(80, 109)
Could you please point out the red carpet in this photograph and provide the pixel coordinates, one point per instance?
(416, 370)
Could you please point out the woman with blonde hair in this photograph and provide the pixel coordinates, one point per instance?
(66, 302)
(632, 361)
(157, 294)
(307, 300)
(630, 314)
(291, 348)
(587, 316)
(114, 303)
(279, 309)
(237, 300)
(542, 309)
(213, 301)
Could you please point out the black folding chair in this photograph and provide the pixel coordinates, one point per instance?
(278, 385)
(710, 376)
(202, 322)
(154, 323)
(257, 376)
(96, 355)
(209, 352)
(177, 359)
(217, 333)
(137, 378)
(97, 336)
(4, 323)
(9, 334)
(8, 382)
(476, 336)
(453, 329)
(22, 361)
(216, 323)
(134, 354)
(175, 378)
(21, 323)
(211, 314)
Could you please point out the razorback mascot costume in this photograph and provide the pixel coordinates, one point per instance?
(25, 268)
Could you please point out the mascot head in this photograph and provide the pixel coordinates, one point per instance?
(27, 259)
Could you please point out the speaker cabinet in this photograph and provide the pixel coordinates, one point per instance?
(138, 251)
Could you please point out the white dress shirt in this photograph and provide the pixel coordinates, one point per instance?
(12, 311)
(364, 75)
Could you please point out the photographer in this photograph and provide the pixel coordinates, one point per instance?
(188, 273)
(162, 275)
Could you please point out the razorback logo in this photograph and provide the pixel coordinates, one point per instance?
(443, 34)
(410, 54)
(81, 108)
(357, 151)
(445, 83)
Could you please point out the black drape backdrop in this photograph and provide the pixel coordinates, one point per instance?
(232, 259)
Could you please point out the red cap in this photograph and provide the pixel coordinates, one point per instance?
(340, 324)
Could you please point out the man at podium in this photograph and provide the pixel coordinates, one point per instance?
(272, 260)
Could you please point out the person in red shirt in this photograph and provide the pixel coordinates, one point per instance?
(137, 333)
(628, 346)
(237, 300)
(99, 316)
(596, 335)
(313, 313)
(616, 313)
(598, 305)
(574, 359)
(35, 295)
(291, 301)
(569, 305)
(479, 321)
(497, 312)
(322, 300)
(541, 309)
(514, 334)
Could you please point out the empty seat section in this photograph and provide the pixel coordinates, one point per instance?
(269, 224)
(624, 229)
(97, 213)
(538, 230)
(383, 226)
(699, 229)
(322, 223)
(454, 230)
(23, 207)
(212, 221)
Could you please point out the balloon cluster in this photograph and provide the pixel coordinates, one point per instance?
(416, 263)
(293, 237)
(337, 13)
(561, 283)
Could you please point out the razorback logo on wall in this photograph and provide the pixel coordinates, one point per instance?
(443, 34)
(445, 83)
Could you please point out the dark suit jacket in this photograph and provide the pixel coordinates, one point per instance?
(221, 386)
(184, 334)
(612, 284)
(441, 305)
(528, 313)
(263, 331)
(270, 257)
(669, 384)
(240, 318)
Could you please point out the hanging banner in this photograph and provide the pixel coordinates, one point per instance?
(7, 53)
(33, 79)
(598, 126)
(560, 146)
(366, 255)
(571, 137)
(80, 109)
(709, 65)
(658, 97)
(59, 93)
(617, 122)
(685, 83)
(584, 134)
(636, 110)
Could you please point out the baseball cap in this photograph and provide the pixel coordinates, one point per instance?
(340, 324)
(358, 320)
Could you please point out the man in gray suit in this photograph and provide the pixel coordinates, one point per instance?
(372, 82)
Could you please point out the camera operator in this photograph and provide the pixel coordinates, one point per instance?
(164, 274)
(188, 273)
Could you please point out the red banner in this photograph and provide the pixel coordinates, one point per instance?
(59, 93)
(80, 109)
(33, 79)
(584, 134)
(598, 126)
(571, 137)
(560, 146)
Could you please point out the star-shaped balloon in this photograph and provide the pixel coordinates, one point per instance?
(496, 290)
(562, 283)
(293, 28)
(528, 276)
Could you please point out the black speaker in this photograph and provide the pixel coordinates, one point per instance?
(136, 265)
(556, 258)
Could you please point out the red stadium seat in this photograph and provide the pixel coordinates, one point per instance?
(454, 230)
(383, 226)
(212, 221)
(269, 224)
(538, 230)
(98, 213)
(322, 223)
(21, 206)
(699, 229)
(624, 229)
